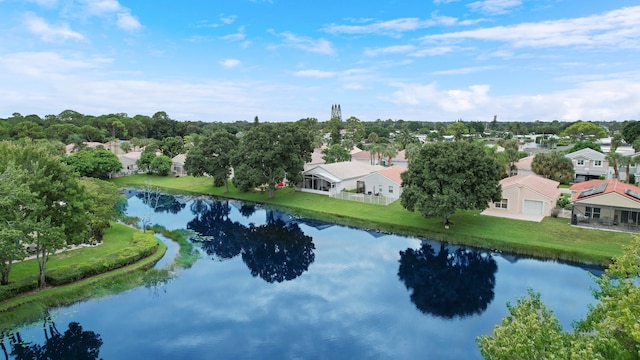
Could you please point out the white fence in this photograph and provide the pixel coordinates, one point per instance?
(369, 199)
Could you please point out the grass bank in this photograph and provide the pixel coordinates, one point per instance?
(553, 238)
(32, 305)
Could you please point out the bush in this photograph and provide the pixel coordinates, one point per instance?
(142, 245)
(18, 287)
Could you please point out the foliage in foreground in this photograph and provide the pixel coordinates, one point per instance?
(611, 329)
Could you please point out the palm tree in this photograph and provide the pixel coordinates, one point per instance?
(615, 159)
(390, 151)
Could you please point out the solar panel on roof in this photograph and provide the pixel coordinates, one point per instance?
(632, 193)
(597, 189)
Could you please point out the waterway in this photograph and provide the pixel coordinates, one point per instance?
(270, 286)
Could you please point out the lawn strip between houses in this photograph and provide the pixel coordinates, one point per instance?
(553, 238)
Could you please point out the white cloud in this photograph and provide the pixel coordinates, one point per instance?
(238, 36)
(320, 46)
(463, 71)
(47, 32)
(396, 26)
(126, 21)
(396, 49)
(101, 7)
(229, 63)
(618, 28)
(316, 73)
(228, 20)
(494, 7)
(43, 65)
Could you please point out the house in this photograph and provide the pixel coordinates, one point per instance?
(386, 182)
(525, 197)
(128, 161)
(335, 177)
(177, 165)
(399, 159)
(364, 156)
(589, 164)
(316, 158)
(609, 203)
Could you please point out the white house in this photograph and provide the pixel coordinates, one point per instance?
(335, 177)
(589, 164)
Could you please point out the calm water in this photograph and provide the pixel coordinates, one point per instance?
(271, 286)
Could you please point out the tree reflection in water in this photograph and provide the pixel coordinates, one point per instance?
(74, 343)
(448, 284)
(275, 251)
(166, 202)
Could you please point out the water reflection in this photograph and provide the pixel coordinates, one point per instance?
(74, 343)
(161, 202)
(276, 251)
(448, 284)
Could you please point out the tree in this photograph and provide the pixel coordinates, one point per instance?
(631, 132)
(58, 216)
(94, 163)
(335, 153)
(160, 165)
(212, 156)
(334, 126)
(104, 205)
(584, 129)
(511, 153)
(15, 196)
(447, 176)
(579, 145)
(609, 331)
(553, 165)
(405, 138)
(615, 160)
(172, 146)
(269, 153)
(146, 158)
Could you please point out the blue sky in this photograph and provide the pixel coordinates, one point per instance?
(283, 60)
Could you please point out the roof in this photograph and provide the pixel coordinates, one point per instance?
(362, 154)
(586, 153)
(544, 186)
(346, 169)
(180, 158)
(594, 188)
(393, 173)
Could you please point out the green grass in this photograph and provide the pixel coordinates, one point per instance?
(32, 305)
(553, 238)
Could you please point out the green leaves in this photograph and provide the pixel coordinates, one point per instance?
(446, 176)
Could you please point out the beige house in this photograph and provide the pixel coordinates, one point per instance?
(177, 165)
(606, 203)
(386, 182)
(525, 197)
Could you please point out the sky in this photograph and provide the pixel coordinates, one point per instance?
(284, 60)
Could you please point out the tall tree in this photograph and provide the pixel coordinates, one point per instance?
(553, 165)
(335, 153)
(95, 163)
(172, 146)
(583, 130)
(15, 196)
(444, 177)
(270, 153)
(212, 156)
(59, 214)
(104, 205)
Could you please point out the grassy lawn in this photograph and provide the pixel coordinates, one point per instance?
(30, 306)
(553, 238)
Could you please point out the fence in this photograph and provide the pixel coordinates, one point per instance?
(369, 199)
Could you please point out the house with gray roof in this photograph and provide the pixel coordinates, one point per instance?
(335, 177)
(589, 164)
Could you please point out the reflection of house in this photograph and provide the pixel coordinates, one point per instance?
(525, 197)
(177, 165)
(335, 177)
(588, 164)
(386, 182)
(608, 203)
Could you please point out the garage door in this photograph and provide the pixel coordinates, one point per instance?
(533, 207)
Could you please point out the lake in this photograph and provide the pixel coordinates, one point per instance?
(269, 285)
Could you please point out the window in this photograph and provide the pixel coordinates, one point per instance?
(390, 189)
(597, 163)
(379, 189)
(580, 162)
(592, 212)
(502, 204)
